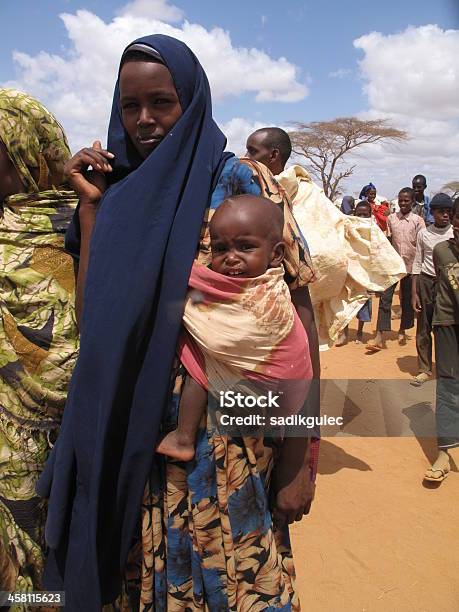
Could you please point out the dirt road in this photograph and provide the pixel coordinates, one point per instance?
(377, 538)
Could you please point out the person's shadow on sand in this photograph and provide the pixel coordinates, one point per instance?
(408, 364)
(333, 458)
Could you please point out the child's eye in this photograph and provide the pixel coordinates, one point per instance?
(246, 247)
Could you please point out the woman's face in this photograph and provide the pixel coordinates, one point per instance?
(149, 104)
(10, 181)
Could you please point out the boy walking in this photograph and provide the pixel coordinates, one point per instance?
(423, 286)
(446, 333)
(403, 228)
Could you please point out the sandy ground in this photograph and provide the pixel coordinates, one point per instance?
(377, 538)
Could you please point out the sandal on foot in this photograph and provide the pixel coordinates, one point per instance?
(443, 471)
(373, 348)
(429, 474)
(420, 379)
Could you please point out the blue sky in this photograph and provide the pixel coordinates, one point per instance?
(317, 37)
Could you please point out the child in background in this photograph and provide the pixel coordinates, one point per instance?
(403, 228)
(424, 280)
(445, 323)
(363, 210)
(379, 208)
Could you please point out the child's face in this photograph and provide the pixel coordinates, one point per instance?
(442, 216)
(371, 195)
(239, 248)
(405, 202)
(363, 211)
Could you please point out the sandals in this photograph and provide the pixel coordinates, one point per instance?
(443, 474)
(373, 348)
(442, 471)
(420, 379)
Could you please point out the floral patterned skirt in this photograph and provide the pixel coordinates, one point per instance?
(207, 540)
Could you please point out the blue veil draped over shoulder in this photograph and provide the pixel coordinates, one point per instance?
(142, 249)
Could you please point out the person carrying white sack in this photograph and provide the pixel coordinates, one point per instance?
(351, 255)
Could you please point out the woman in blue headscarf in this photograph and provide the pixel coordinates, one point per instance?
(203, 536)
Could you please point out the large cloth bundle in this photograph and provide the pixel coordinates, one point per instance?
(245, 329)
(351, 256)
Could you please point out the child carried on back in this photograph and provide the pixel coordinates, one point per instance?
(240, 324)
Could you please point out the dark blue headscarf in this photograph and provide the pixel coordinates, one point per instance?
(347, 205)
(365, 190)
(142, 249)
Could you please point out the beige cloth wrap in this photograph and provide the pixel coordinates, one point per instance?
(351, 256)
(238, 335)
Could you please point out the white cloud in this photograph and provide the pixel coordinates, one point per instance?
(77, 85)
(153, 9)
(340, 74)
(237, 131)
(411, 79)
(412, 72)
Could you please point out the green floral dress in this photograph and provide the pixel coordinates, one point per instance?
(38, 333)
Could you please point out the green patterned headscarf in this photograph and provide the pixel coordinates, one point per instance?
(34, 140)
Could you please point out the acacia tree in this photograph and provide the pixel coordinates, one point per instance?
(326, 143)
(454, 187)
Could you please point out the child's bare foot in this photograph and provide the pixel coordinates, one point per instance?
(342, 340)
(359, 338)
(174, 446)
(401, 338)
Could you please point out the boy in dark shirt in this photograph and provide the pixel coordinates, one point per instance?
(446, 333)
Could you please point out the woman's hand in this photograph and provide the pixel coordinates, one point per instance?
(89, 185)
(292, 487)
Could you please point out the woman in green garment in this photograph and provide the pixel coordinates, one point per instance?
(38, 332)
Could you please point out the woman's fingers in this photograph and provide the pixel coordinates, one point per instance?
(86, 184)
(97, 146)
(89, 157)
(97, 158)
(283, 517)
